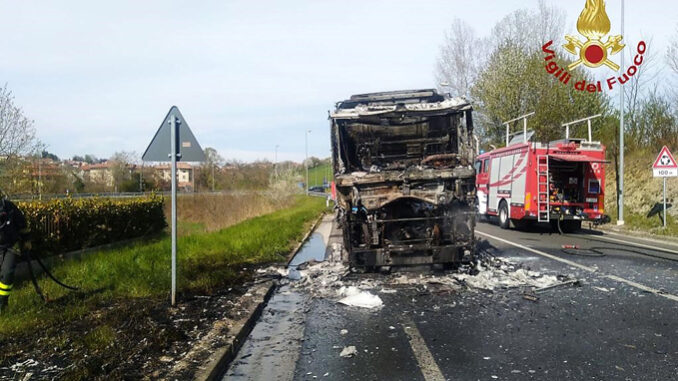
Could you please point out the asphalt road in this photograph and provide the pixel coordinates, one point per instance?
(619, 323)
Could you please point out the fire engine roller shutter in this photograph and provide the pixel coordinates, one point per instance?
(519, 178)
(576, 158)
(493, 201)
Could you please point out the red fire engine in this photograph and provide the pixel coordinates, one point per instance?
(561, 182)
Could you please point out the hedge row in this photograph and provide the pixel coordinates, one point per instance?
(63, 225)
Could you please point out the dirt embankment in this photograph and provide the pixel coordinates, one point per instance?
(642, 190)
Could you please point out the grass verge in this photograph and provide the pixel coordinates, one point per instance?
(207, 261)
(641, 223)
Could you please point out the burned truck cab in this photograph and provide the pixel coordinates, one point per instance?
(404, 178)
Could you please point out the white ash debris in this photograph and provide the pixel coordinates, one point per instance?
(272, 270)
(329, 280)
(21, 366)
(349, 351)
(505, 276)
(353, 296)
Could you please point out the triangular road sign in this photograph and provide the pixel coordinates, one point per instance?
(187, 145)
(665, 160)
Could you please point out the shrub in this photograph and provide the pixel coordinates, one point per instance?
(62, 225)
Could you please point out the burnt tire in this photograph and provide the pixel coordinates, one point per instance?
(504, 221)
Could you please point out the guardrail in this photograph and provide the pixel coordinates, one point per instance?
(24, 197)
(318, 194)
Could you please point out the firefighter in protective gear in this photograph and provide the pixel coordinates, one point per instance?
(13, 231)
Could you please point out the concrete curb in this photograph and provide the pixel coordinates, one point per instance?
(219, 361)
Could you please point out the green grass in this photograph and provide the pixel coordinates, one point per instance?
(652, 225)
(207, 261)
(318, 173)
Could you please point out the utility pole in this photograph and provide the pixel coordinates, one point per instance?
(620, 191)
(306, 161)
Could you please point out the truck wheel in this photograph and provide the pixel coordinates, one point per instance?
(504, 221)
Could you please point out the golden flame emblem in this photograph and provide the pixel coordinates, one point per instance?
(594, 24)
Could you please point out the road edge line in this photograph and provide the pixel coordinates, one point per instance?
(631, 243)
(555, 258)
(590, 269)
(643, 287)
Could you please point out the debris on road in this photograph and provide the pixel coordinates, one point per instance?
(353, 296)
(497, 273)
(530, 297)
(332, 279)
(349, 351)
(574, 282)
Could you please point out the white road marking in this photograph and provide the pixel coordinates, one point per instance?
(670, 243)
(643, 287)
(555, 258)
(427, 364)
(634, 244)
(587, 268)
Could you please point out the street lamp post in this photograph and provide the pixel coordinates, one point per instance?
(275, 161)
(306, 161)
(620, 191)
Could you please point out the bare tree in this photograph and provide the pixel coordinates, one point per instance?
(672, 61)
(17, 132)
(640, 87)
(672, 52)
(459, 59)
(528, 29)
(121, 167)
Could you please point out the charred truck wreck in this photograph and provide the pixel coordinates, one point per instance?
(404, 178)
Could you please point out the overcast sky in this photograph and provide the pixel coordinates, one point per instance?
(98, 77)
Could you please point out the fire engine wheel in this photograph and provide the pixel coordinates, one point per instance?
(504, 221)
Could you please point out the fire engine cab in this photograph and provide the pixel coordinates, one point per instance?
(561, 182)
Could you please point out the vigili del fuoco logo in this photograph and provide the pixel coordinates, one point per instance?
(594, 25)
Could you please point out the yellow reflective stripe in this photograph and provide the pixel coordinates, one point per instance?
(5, 286)
(3, 292)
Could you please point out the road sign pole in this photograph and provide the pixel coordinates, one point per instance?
(173, 158)
(664, 201)
(175, 129)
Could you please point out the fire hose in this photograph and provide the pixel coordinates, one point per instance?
(598, 250)
(26, 255)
